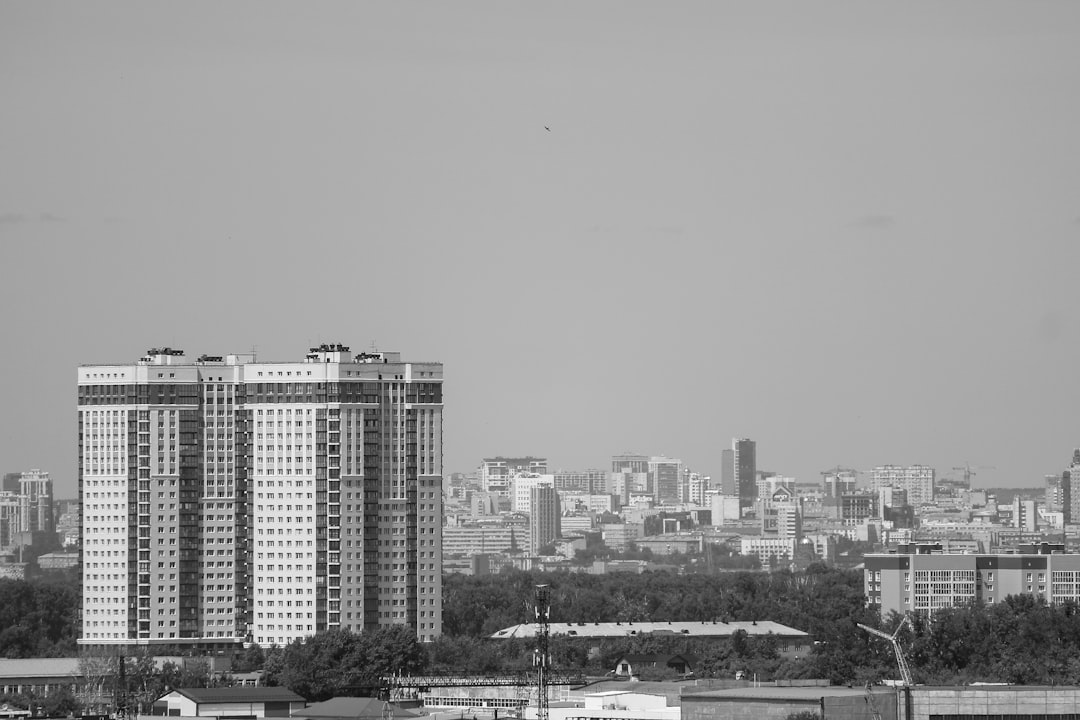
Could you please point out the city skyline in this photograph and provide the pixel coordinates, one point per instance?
(848, 232)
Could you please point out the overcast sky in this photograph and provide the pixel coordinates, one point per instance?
(847, 230)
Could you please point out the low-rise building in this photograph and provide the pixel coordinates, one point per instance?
(230, 702)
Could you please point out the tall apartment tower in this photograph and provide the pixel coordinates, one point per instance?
(544, 517)
(1070, 489)
(36, 502)
(744, 467)
(226, 500)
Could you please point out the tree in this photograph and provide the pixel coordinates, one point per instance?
(59, 703)
(97, 669)
(250, 660)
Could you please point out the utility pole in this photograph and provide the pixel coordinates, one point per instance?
(542, 655)
(121, 700)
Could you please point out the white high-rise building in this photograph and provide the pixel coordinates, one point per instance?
(496, 473)
(227, 500)
(521, 487)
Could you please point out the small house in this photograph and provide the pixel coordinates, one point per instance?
(236, 703)
(632, 665)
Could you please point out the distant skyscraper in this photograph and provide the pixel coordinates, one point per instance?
(728, 486)
(10, 520)
(227, 500)
(664, 475)
(744, 464)
(544, 516)
(36, 502)
(1070, 492)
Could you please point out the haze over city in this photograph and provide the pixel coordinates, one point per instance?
(847, 231)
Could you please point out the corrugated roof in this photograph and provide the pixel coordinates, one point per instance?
(240, 694)
(688, 628)
(812, 692)
(351, 707)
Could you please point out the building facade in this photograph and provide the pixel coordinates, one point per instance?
(665, 475)
(226, 500)
(923, 581)
(592, 482)
(918, 480)
(744, 461)
(629, 476)
(36, 502)
(544, 516)
(497, 472)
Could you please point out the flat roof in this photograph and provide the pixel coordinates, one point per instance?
(39, 667)
(630, 629)
(808, 692)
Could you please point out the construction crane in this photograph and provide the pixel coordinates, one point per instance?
(901, 662)
(969, 472)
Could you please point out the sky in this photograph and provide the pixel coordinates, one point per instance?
(849, 231)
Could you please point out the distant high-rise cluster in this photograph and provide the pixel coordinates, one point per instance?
(26, 506)
(226, 500)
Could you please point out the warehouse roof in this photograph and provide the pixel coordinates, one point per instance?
(628, 629)
(809, 692)
(39, 667)
(239, 694)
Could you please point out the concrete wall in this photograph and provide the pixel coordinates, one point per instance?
(993, 700)
(711, 708)
(839, 704)
(859, 708)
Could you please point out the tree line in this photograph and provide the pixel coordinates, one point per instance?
(39, 617)
(1021, 640)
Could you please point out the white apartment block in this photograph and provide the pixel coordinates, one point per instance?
(496, 473)
(768, 548)
(917, 480)
(521, 487)
(227, 500)
(467, 540)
